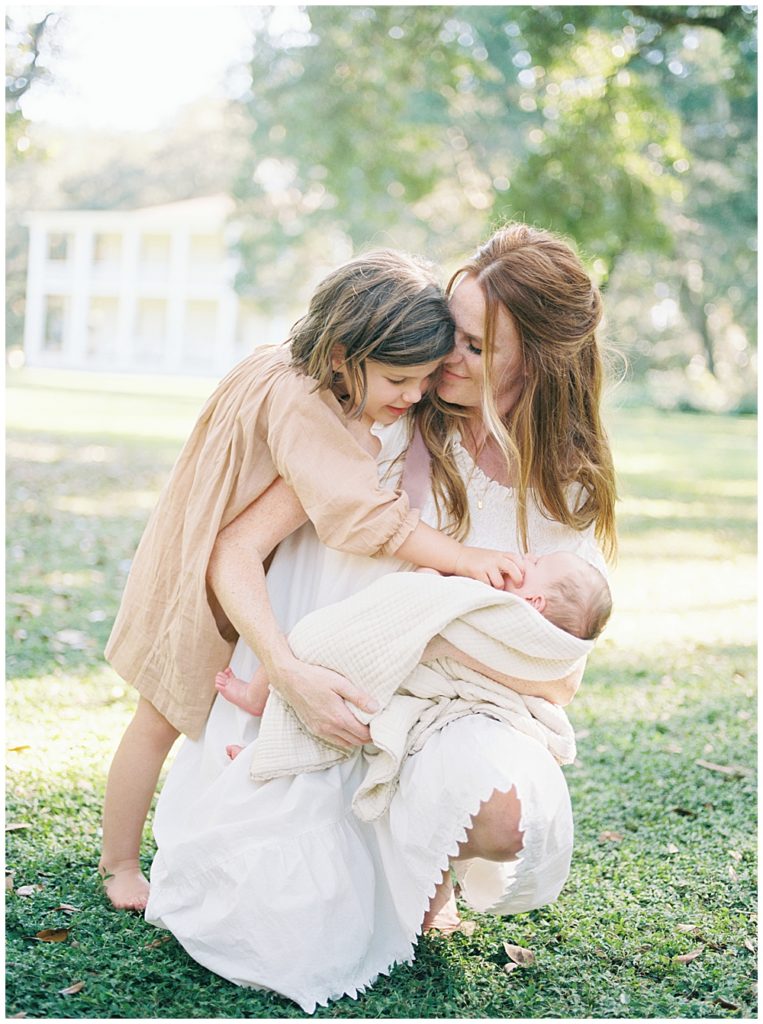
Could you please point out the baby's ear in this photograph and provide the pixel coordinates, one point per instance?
(538, 602)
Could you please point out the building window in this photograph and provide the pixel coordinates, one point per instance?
(150, 329)
(200, 335)
(102, 328)
(55, 323)
(206, 259)
(154, 257)
(58, 246)
(107, 249)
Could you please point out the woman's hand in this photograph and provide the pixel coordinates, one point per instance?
(488, 566)
(318, 696)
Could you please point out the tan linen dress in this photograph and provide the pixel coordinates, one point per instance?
(264, 420)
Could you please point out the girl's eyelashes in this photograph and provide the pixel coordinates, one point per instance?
(473, 348)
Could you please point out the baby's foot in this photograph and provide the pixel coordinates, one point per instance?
(233, 750)
(250, 697)
(126, 887)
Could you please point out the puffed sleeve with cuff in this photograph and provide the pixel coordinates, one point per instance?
(334, 478)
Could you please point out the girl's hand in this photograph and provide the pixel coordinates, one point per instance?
(488, 566)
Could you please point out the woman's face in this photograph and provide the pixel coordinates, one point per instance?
(461, 375)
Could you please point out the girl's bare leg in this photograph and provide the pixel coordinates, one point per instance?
(131, 784)
(494, 835)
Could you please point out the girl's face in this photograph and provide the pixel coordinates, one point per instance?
(461, 377)
(392, 390)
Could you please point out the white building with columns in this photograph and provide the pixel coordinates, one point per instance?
(148, 290)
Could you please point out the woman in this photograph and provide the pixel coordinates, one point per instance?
(278, 884)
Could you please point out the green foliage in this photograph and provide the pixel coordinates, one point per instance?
(671, 683)
(25, 41)
(630, 129)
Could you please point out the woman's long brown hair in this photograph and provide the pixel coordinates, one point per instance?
(553, 436)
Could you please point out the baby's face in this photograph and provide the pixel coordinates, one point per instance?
(541, 570)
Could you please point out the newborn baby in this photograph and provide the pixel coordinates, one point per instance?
(562, 586)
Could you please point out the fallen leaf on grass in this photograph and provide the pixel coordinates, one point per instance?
(691, 929)
(72, 989)
(510, 966)
(16, 826)
(735, 855)
(611, 837)
(686, 958)
(67, 907)
(18, 1016)
(52, 935)
(28, 890)
(685, 812)
(726, 1004)
(749, 945)
(158, 942)
(521, 956)
(467, 927)
(733, 875)
(672, 848)
(725, 769)
(9, 876)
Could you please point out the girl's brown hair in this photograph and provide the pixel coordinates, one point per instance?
(383, 305)
(553, 436)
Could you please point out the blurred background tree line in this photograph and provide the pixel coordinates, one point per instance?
(632, 130)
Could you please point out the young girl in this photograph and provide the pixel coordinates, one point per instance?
(375, 331)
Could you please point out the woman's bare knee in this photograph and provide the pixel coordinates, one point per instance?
(495, 833)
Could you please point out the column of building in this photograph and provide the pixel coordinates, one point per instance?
(127, 298)
(75, 335)
(34, 313)
(180, 242)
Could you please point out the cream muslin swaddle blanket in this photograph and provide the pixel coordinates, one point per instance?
(376, 639)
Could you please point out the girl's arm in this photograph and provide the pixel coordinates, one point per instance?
(558, 691)
(236, 576)
(429, 548)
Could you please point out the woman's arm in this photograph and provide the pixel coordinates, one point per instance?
(237, 578)
(558, 691)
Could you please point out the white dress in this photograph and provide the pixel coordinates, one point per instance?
(278, 884)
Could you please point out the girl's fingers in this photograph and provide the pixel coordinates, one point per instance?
(511, 569)
(495, 578)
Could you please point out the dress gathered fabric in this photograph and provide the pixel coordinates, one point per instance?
(278, 884)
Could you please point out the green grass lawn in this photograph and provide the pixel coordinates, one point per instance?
(663, 789)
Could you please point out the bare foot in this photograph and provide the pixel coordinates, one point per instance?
(126, 887)
(233, 750)
(442, 915)
(250, 697)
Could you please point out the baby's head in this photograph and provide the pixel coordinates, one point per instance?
(567, 590)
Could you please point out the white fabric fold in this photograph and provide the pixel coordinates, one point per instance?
(376, 638)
